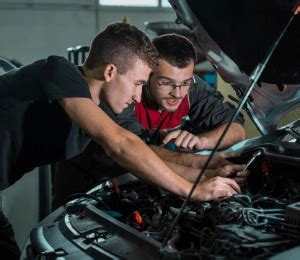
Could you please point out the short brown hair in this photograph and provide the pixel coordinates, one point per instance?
(177, 50)
(121, 44)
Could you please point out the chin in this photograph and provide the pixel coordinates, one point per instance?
(171, 108)
(118, 111)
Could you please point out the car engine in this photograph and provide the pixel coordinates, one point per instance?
(134, 220)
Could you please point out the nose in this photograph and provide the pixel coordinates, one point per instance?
(137, 96)
(176, 92)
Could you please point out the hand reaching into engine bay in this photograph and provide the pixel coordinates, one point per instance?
(232, 174)
(215, 188)
(234, 171)
(218, 160)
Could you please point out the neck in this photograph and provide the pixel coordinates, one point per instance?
(95, 89)
(95, 85)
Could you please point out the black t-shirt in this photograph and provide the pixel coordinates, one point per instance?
(93, 160)
(34, 129)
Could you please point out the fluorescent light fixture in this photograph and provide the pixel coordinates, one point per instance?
(138, 3)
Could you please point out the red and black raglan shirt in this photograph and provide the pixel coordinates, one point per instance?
(203, 109)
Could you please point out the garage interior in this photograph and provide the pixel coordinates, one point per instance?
(34, 29)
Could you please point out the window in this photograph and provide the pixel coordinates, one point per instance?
(139, 3)
(135, 3)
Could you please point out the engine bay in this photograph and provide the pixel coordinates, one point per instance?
(133, 219)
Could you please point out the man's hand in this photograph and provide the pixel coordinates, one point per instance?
(215, 188)
(205, 141)
(235, 171)
(186, 140)
(220, 159)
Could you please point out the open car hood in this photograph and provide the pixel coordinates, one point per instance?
(235, 36)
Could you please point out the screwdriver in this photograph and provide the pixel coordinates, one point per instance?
(255, 155)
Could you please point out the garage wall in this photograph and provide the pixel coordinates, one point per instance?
(35, 29)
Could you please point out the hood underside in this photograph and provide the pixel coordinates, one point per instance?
(235, 36)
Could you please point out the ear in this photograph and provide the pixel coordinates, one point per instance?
(110, 71)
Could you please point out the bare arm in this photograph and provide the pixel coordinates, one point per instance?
(234, 171)
(130, 152)
(212, 180)
(196, 161)
(234, 134)
(188, 173)
(126, 148)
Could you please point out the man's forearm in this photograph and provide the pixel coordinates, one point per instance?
(134, 155)
(234, 134)
(182, 158)
(188, 173)
(124, 147)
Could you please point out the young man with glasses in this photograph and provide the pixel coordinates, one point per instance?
(175, 98)
(172, 93)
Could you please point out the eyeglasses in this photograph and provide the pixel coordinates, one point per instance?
(171, 86)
